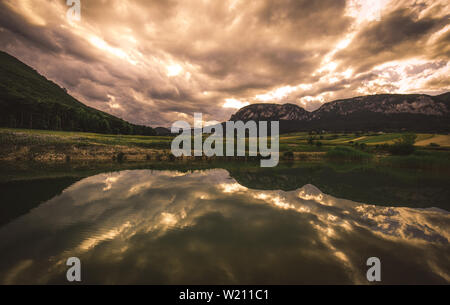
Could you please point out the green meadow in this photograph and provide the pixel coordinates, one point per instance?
(422, 150)
(43, 137)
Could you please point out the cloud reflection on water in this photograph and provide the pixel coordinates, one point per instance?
(202, 227)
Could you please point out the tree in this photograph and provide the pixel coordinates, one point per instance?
(404, 145)
(106, 128)
(57, 123)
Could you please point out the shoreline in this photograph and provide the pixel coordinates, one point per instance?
(46, 147)
(104, 153)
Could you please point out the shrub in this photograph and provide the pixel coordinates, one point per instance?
(120, 157)
(289, 155)
(333, 137)
(404, 146)
(347, 153)
(434, 145)
(424, 160)
(382, 147)
(172, 157)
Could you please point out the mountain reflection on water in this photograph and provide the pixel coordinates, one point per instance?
(202, 227)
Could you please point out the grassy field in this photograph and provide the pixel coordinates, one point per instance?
(33, 136)
(43, 145)
(299, 139)
(422, 140)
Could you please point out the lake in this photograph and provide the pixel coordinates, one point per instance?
(291, 225)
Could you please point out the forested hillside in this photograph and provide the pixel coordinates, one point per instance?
(29, 100)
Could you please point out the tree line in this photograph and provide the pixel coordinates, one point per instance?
(53, 116)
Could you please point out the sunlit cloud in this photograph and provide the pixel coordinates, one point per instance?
(277, 94)
(102, 45)
(28, 10)
(160, 59)
(174, 70)
(234, 103)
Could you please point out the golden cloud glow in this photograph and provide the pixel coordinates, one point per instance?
(216, 57)
(234, 103)
(174, 70)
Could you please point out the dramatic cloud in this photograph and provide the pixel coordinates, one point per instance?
(155, 62)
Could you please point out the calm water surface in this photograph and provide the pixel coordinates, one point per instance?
(203, 227)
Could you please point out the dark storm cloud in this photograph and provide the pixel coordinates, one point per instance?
(441, 48)
(439, 82)
(400, 34)
(155, 62)
(44, 39)
(320, 18)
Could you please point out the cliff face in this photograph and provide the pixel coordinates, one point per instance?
(258, 112)
(375, 112)
(387, 104)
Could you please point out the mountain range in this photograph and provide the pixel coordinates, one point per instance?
(381, 112)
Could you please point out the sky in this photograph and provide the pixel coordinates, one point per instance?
(154, 62)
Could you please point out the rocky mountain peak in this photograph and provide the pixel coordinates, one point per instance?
(261, 112)
(382, 103)
(375, 112)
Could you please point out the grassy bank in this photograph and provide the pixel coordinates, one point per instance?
(43, 145)
(340, 153)
(420, 159)
(58, 146)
